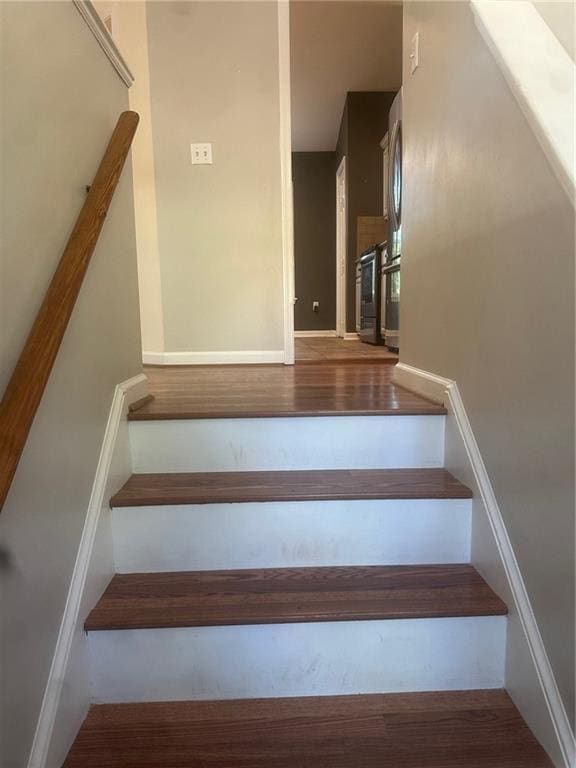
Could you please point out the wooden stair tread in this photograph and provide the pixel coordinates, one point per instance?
(456, 729)
(288, 595)
(293, 485)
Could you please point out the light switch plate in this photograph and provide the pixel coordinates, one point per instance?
(414, 52)
(201, 154)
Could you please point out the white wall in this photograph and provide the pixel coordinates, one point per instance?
(488, 300)
(214, 78)
(60, 101)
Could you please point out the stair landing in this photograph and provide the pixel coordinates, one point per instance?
(263, 391)
(461, 729)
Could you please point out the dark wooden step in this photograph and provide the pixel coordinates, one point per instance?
(458, 729)
(224, 487)
(286, 595)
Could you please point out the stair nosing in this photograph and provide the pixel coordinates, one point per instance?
(424, 410)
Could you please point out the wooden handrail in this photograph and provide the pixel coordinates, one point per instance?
(26, 387)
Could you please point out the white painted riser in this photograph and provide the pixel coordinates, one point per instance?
(278, 534)
(343, 442)
(298, 659)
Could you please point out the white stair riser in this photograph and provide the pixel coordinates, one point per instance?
(290, 534)
(344, 442)
(298, 659)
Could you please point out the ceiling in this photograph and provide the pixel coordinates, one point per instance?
(336, 47)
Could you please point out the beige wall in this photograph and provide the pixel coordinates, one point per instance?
(60, 101)
(214, 78)
(488, 296)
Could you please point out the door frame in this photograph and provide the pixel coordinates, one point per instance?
(286, 189)
(341, 243)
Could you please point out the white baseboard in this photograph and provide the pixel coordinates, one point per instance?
(314, 334)
(351, 337)
(427, 384)
(446, 391)
(254, 356)
(127, 392)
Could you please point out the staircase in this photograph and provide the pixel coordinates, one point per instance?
(297, 592)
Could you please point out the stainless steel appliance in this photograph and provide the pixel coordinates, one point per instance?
(383, 301)
(370, 263)
(391, 278)
(391, 270)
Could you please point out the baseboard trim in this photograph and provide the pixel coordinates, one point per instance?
(446, 391)
(214, 358)
(314, 334)
(429, 385)
(125, 393)
(351, 337)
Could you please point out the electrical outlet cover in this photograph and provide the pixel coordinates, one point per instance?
(201, 154)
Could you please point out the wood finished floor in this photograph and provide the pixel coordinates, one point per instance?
(251, 391)
(458, 729)
(295, 485)
(280, 595)
(307, 350)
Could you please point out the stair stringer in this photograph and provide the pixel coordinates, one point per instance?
(530, 680)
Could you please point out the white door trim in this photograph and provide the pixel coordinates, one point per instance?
(341, 236)
(286, 177)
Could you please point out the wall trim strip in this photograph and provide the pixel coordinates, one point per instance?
(214, 358)
(125, 393)
(105, 40)
(531, 58)
(446, 390)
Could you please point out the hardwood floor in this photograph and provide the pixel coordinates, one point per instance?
(252, 391)
(296, 485)
(280, 595)
(317, 350)
(458, 729)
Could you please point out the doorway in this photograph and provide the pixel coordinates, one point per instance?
(345, 70)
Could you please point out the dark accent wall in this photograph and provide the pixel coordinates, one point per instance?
(314, 182)
(364, 123)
